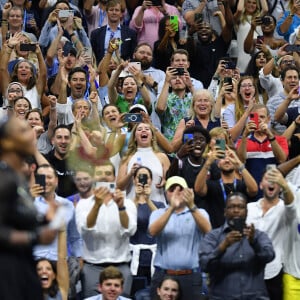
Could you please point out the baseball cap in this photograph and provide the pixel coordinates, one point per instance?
(176, 180)
(138, 107)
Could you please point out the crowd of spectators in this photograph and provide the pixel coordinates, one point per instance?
(150, 149)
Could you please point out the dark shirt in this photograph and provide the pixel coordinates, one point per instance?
(211, 124)
(205, 59)
(141, 235)
(237, 273)
(214, 202)
(66, 185)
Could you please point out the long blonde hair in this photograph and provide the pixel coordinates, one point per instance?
(243, 18)
(132, 144)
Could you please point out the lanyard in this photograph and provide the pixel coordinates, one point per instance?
(223, 188)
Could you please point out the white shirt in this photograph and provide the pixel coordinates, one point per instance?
(107, 241)
(274, 223)
(292, 237)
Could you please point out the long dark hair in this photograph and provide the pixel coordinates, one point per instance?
(53, 289)
(162, 29)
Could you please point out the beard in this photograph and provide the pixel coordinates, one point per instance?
(145, 64)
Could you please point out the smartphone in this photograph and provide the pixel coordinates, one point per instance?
(143, 178)
(237, 224)
(260, 39)
(221, 143)
(156, 2)
(228, 80)
(41, 180)
(135, 64)
(292, 48)
(174, 22)
(64, 13)
(230, 65)
(198, 17)
(254, 118)
(270, 167)
(28, 47)
(133, 118)
(111, 186)
(188, 137)
(87, 51)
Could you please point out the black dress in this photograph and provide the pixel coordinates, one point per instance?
(18, 276)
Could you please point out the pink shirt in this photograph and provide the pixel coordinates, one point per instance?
(148, 32)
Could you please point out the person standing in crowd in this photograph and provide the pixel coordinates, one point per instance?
(105, 221)
(235, 256)
(19, 228)
(179, 229)
(273, 216)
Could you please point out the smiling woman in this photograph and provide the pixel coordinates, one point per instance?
(143, 151)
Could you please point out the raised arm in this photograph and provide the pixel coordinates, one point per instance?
(42, 74)
(52, 116)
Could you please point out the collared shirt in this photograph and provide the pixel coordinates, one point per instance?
(273, 222)
(176, 110)
(108, 240)
(73, 238)
(272, 105)
(179, 241)
(110, 34)
(237, 273)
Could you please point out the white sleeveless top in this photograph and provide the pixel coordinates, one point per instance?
(33, 96)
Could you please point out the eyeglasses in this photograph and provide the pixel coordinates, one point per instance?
(14, 91)
(173, 187)
(249, 85)
(288, 62)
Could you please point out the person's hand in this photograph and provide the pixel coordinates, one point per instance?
(185, 149)
(293, 94)
(60, 30)
(146, 118)
(187, 80)
(281, 51)
(53, 16)
(147, 190)
(232, 237)
(255, 22)
(148, 79)
(51, 211)
(146, 4)
(171, 73)
(161, 183)
(232, 156)
(113, 45)
(224, 125)
(264, 128)
(118, 197)
(52, 100)
(77, 23)
(194, 27)
(133, 168)
(14, 40)
(188, 197)
(176, 198)
(214, 154)
(102, 195)
(92, 73)
(38, 130)
(137, 73)
(274, 176)
(249, 232)
(249, 128)
(68, 25)
(36, 190)
(139, 189)
(6, 8)
(162, 8)
(189, 123)
(94, 98)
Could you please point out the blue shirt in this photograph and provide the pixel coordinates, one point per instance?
(237, 273)
(179, 241)
(99, 297)
(112, 35)
(73, 238)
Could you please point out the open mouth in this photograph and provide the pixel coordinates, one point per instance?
(144, 137)
(44, 280)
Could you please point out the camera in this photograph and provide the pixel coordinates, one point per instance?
(292, 48)
(266, 21)
(230, 65)
(188, 137)
(143, 178)
(133, 117)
